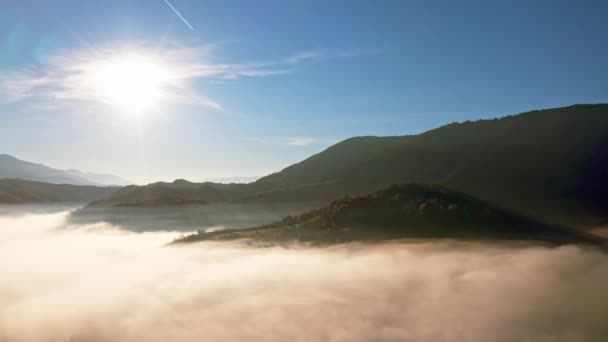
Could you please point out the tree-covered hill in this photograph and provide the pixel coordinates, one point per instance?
(403, 211)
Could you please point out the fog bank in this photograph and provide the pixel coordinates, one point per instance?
(190, 217)
(66, 282)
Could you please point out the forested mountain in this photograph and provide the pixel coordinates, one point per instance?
(402, 211)
(552, 163)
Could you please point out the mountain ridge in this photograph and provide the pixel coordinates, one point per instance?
(20, 191)
(12, 167)
(546, 162)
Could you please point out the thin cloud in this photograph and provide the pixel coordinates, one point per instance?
(301, 141)
(254, 73)
(289, 141)
(303, 56)
(319, 55)
(65, 76)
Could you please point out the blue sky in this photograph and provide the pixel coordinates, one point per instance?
(259, 85)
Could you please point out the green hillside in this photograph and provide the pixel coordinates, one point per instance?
(550, 163)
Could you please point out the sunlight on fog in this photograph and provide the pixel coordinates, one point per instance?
(64, 282)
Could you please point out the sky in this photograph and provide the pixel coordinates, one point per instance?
(158, 90)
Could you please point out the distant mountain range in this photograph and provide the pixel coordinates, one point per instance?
(11, 167)
(237, 179)
(404, 211)
(19, 191)
(549, 163)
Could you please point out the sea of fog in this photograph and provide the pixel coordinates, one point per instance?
(60, 281)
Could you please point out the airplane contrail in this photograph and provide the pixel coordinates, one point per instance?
(179, 15)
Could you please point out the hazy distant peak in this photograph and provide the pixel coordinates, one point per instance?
(235, 179)
(11, 167)
(101, 178)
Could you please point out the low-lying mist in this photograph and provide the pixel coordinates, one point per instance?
(66, 282)
(190, 217)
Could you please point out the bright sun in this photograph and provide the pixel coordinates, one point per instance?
(132, 82)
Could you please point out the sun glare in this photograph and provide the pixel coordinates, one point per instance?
(131, 82)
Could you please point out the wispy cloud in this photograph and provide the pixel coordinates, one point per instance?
(303, 56)
(290, 141)
(66, 76)
(254, 73)
(301, 141)
(321, 55)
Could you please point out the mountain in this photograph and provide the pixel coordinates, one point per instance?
(178, 192)
(19, 191)
(11, 167)
(100, 178)
(403, 211)
(550, 163)
(543, 162)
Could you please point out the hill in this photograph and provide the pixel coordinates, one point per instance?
(11, 167)
(403, 211)
(552, 163)
(19, 191)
